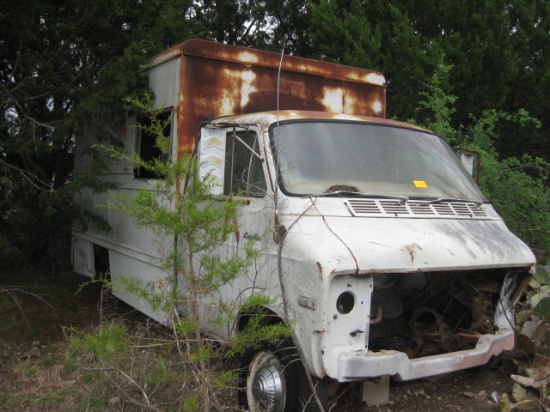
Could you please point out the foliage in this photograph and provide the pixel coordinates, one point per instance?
(436, 106)
(179, 208)
(130, 367)
(538, 298)
(259, 328)
(532, 316)
(65, 67)
(499, 53)
(104, 346)
(376, 35)
(517, 186)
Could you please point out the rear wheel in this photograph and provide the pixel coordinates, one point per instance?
(273, 379)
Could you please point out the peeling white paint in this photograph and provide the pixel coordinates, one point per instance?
(376, 78)
(247, 77)
(377, 107)
(334, 100)
(247, 57)
(228, 105)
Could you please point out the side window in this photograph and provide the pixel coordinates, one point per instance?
(146, 145)
(244, 174)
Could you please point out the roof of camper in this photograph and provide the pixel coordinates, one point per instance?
(254, 57)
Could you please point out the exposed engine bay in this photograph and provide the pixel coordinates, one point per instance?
(424, 314)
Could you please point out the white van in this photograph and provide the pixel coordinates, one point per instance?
(380, 251)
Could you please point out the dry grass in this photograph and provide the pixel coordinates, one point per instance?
(36, 378)
(42, 370)
(52, 357)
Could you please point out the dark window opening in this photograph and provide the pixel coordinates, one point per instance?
(146, 145)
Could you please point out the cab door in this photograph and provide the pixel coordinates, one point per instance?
(236, 159)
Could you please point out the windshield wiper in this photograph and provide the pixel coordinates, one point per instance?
(478, 203)
(347, 193)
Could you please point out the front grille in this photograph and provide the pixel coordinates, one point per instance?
(375, 207)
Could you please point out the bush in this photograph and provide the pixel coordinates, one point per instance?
(518, 185)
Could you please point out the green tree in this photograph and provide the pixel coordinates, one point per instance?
(515, 185)
(500, 53)
(65, 66)
(180, 208)
(374, 35)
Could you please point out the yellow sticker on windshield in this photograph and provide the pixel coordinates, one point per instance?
(420, 184)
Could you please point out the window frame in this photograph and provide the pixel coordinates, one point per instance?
(253, 161)
(151, 151)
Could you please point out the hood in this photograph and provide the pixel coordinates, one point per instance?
(344, 244)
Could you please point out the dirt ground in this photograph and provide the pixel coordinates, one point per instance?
(461, 391)
(31, 334)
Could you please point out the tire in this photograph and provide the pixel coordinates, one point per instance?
(273, 379)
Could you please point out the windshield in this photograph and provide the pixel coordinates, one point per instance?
(316, 157)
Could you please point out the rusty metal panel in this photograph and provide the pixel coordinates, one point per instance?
(218, 79)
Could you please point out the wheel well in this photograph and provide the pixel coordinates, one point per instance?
(270, 317)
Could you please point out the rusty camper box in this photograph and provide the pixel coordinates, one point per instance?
(379, 249)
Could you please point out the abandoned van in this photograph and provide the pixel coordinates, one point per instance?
(379, 249)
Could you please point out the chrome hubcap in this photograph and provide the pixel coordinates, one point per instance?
(265, 384)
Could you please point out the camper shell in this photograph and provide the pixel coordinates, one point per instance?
(378, 248)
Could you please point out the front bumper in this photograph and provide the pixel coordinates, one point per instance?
(361, 365)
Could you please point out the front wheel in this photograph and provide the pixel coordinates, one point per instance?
(273, 379)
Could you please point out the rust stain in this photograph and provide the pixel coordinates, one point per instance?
(218, 80)
(254, 57)
(320, 267)
(374, 272)
(320, 270)
(411, 249)
(236, 225)
(309, 114)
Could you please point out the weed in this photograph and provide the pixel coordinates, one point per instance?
(179, 207)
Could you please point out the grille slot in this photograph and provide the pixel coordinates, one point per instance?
(375, 207)
(365, 206)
